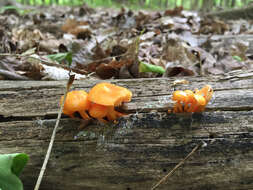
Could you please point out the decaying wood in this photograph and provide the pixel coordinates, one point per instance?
(242, 13)
(141, 148)
(229, 38)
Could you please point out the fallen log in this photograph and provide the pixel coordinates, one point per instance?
(241, 13)
(141, 148)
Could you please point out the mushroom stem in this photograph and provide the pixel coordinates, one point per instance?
(84, 115)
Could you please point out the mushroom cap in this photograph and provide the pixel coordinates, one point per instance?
(76, 100)
(109, 94)
(201, 101)
(180, 96)
(206, 92)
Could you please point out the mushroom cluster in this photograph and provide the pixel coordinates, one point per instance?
(102, 99)
(189, 101)
(99, 103)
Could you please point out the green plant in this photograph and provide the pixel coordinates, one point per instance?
(146, 67)
(237, 58)
(11, 166)
(59, 57)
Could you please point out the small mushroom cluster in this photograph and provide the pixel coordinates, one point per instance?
(102, 99)
(99, 103)
(189, 101)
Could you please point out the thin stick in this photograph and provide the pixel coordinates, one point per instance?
(177, 166)
(43, 168)
(12, 75)
(51, 63)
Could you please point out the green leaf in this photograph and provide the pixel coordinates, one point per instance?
(59, 57)
(11, 166)
(146, 67)
(237, 58)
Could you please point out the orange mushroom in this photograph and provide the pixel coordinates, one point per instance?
(76, 101)
(104, 97)
(206, 92)
(188, 101)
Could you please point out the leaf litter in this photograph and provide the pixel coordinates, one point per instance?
(108, 43)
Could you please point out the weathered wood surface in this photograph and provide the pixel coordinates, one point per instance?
(242, 13)
(229, 38)
(139, 150)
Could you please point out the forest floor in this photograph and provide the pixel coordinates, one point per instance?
(40, 43)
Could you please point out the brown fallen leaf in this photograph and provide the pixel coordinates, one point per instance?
(174, 12)
(177, 71)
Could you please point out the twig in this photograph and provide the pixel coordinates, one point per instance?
(12, 75)
(106, 58)
(6, 54)
(43, 168)
(177, 166)
(46, 62)
(52, 64)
